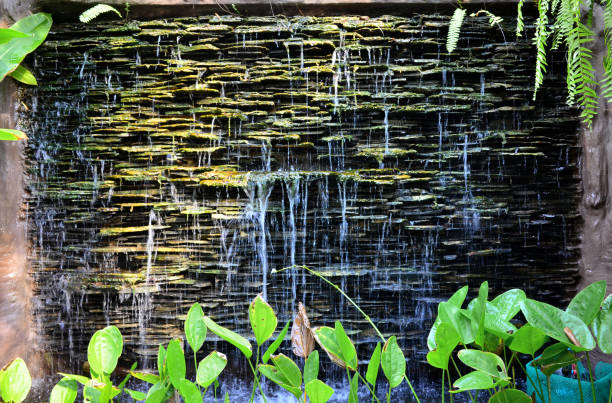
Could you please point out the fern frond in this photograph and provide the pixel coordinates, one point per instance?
(493, 19)
(520, 24)
(541, 37)
(96, 11)
(454, 29)
(606, 83)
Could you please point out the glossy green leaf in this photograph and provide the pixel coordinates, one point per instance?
(136, 395)
(145, 376)
(528, 340)
(509, 303)
(318, 392)
(585, 305)
(12, 53)
(104, 350)
(510, 396)
(354, 389)
(326, 338)
(552, 322)
(12, 135)
(393, 362)
(475, 380)
(311, 367)
(460, 321)
(23, 75)
(15, 382)
(555, 357)
(6, 34)
(478, 313)
(348, 353)
(234, 339)
(65, 391)
(157, 393)
(92, 395)
(602, 326)
(488, 363)
(263, 320)
(374, 365)
(195, 329)
(276, 344)
(83, 380)
(456, 299)
(446, 341)
(175, 362)
(289, 369)
(161, 361)
(274, 374)
(189, 391)
(494, 323)
(210, 368)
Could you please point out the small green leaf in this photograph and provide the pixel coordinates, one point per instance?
(475, 380)
(554, 357)
(157, 393)
(161, 361)
(446, 341)
(488, 363)
(12, 135)
(393, 362)
(478, 314)
(373, 365)
(145, 376)
(175, 361)
(104, 350)
(510, 396)
(602, 326)
(289, 369)
(83, 380)
(263, 320)
(226, 398)
(276, 344)
(15, 382)
(189, 391)
(134, 394)
(347, 349)
(585, 305)
(326, 338)
(311, 367)
(456, 299)
(274, 374)
(459, 319)
(195, 329)
(210, 368)
(528, 340)
(65, 391)
(509, 303)
(318, 391)
(353, 396)
(23, 75)
(234, 339)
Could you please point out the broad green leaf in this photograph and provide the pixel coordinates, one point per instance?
(157, 393)
(478, 313)
(195, 329)
(6, 34)
(488, 363)
(234, 339)
(326, 338)
(347, 349)
(457, 318)
(263, 320)
(92, 395)
(145, 376)
(161, 361)
(602, 326)
(555, 357)
(134, 394)
(83, 380)
(495, 323)
(189, 391)
(446, 341)
(23, 75)
(65, 391)
(456, 299)
(318, 392)
(585, 305)
(528, 340)
(289, 369)
(311, 367)
(104, 350)
(353, 396)
(374, 365)
(12, 53)
(552, 321)
(510, 396)
(12, 135)
(509, 303)
(210, 368)
(393, 362)
(273, 374)
(475, 380)
(175, 362)
(16, 382)
(276, 344)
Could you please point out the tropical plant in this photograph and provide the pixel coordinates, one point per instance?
(16, 43)
(15, 381)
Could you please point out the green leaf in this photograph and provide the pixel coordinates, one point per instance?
(585, 305)
(210, 368)
(234, 339)
(15, 382)
(195, 329)
(347, 349)
(95, 11)
(226, 398)
(161, 361)
(274, 374)
(145, 376)
(175, 361)
(446, 341)
(64, 392)
(318, 391)
(393, 362)
(311, 367)
(326, 338)
(23, 75)
(83, 380)
(508, 304)
(289, 369)
(475, 380)
(374, 365)
(263, 320)
(92, 395)
(276, 344)
(6, 34)
(104, 350)
(12, 53)
(353, 396)
(510, 395)
(552, 321)
(602, 326)
(12, 135)
(555, 357)
(189, 391)
(459, 319)
(157, 393)
(528, 340)
(488, 363)
(495, 323)
(456, 299)
(478, 313)
(134, 394)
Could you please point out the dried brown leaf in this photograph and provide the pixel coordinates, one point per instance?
(302, 339)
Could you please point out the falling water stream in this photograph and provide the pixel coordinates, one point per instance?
(182, 160)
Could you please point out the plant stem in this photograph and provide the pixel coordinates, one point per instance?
(591, 377)
(579, 381)
(368, 386)
(538, 376)
(256, 379)
(450, 395)
(459, 373)
(548, 387)
(539, 392)
(389, 394)
(442, 386)
(610, 395)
